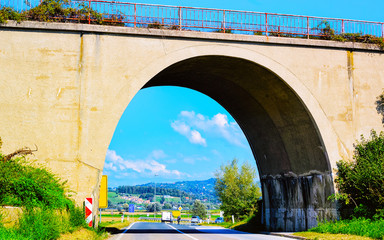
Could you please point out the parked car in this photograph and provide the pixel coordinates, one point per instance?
(196, 219)
(219, 220)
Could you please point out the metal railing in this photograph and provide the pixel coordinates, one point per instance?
(204, 19)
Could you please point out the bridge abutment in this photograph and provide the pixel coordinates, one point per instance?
(296, 203)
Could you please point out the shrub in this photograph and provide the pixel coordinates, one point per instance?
(7, 13)
(25, 185)
(361, 181)
(48, 211)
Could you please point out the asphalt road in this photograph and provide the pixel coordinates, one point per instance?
(164, 231)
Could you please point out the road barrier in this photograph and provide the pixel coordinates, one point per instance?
(88, 211)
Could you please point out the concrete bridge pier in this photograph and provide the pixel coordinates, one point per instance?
(296, 203)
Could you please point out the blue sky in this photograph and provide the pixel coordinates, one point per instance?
(180, 134)
(176, 133)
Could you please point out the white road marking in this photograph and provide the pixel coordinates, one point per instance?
(183, 232)
(129, 227)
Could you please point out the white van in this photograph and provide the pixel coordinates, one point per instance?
(166, 217)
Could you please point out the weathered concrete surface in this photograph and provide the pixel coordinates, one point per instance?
(301, 103)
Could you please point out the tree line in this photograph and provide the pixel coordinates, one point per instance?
(148, 190)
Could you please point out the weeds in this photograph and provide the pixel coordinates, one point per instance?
(47, 209)
(360, 227)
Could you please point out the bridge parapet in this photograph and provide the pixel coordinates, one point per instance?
(204, 19)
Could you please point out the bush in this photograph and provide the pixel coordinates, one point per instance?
(7, 13)
(361, 182)
(24, 185)
(47, 209)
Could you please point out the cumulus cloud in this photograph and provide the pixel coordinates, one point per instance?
(193, 135)
(191, 125)
(149, 166)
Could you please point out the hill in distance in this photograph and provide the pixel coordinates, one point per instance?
(203, 189)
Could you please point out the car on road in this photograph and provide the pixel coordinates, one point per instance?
(196, 219)
(219, 220)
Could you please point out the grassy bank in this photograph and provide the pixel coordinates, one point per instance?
(352, 229)
(45, 209)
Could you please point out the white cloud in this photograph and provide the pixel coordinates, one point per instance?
(193, 135)
(197, 138)
(158, 154)
(191, 125)
(148, 166)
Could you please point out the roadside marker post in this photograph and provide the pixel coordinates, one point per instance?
(88, 211)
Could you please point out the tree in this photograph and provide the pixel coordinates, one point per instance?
(167, 206)
(236, 188)
(198, 209)
(126, 206)
(361, 182)
(152, 207)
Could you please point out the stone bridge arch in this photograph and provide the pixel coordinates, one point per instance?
(284, 124)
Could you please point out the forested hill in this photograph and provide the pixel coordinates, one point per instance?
(195, 189)
(150, 190)
(203, 189)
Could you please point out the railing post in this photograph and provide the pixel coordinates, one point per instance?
(224, 21)
(135, 16)
(180, 19)
(342, 26)
(89, 12)
(266, 24)
(382, 30)
(307, 27)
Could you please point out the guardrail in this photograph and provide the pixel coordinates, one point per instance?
(204, 19)
(159, 219)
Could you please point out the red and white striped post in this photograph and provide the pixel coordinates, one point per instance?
(88, 211)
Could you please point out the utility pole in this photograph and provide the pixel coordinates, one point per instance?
(154, 199)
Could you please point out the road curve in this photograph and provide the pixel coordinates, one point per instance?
(163, 231)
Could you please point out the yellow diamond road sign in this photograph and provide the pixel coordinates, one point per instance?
(180, 208)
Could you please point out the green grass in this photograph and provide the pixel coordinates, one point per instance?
(47, 211)
(359, 227)
(329, 236)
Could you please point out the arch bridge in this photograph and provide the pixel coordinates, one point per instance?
(301, 103)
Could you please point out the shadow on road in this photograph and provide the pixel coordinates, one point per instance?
(112, 230)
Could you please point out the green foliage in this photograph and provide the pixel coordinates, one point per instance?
(155, 25)
(328, 33)
(24, 185)
(167, 206)
(380, 106)
(199, 209)
(152, 207)
(40, 223)
(237, 189)
(362, 180)
(360, 227)
(47, 209)
(60, 11)
(8, 13)
(148, 191)
(223, 31)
